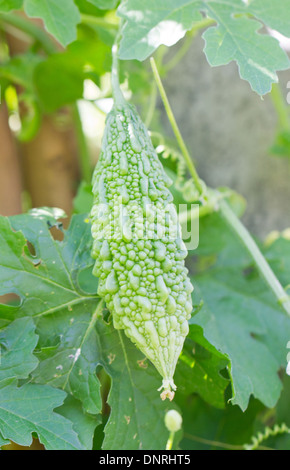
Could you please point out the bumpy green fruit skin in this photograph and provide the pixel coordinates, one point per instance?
(137, 244)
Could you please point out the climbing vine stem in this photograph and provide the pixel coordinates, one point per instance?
(28, 27)
(181, 143)
(117, 92)
(281, 107)
(268, 432)
(169, 443)
(225, 210)
(253, 249)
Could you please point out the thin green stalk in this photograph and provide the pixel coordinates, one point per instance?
(263, 436)
(261, 263)
(29, 28)
(212, 443)
(117, 92)
(175, 129)
(230, 217)
(280, 106)
(204, 23)
(186, 44)
(98, 21)
(174, 61)
(169, 443)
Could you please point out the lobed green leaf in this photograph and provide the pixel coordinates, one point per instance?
(60, 18)
(239, 316)
(234, 38)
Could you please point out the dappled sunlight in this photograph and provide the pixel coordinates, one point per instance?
(167, 32)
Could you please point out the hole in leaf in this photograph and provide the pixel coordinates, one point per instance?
(56, 231)
(10, 299)
(106, 315)
(31, 252)
(31, 248)
(36, 445)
